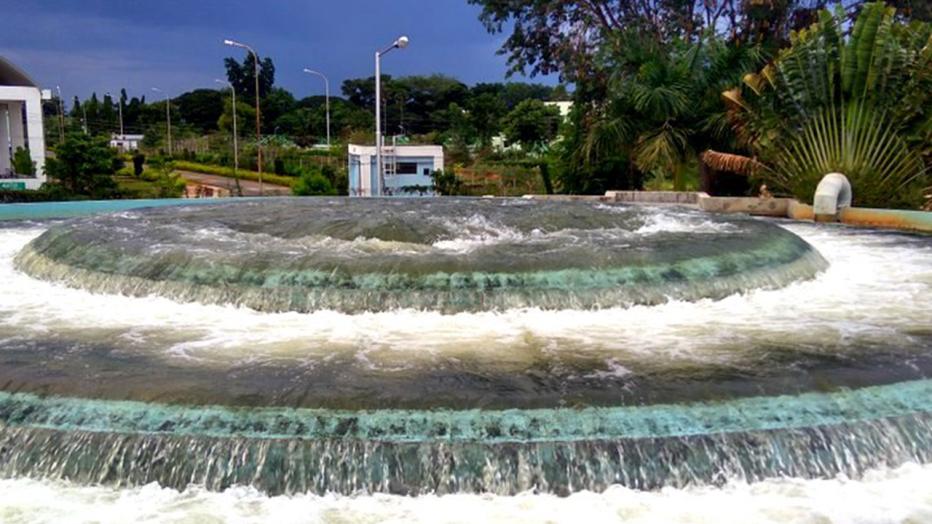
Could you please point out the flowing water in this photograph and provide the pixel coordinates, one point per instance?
(379, 362)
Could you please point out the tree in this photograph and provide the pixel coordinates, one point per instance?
(531, 124)
(312, 182)
(855, 104)
(84, 166)
(200, 108)
(485, 112)
(22, 162)
(242, 77)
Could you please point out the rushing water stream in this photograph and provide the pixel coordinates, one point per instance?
(290, 354)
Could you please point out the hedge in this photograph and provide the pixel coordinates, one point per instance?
(270, 178)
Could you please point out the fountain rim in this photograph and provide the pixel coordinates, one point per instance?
(766, 413)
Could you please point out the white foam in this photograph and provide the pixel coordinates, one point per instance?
(877, 291)
(902, 495)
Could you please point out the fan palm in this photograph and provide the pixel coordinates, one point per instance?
(855, 104)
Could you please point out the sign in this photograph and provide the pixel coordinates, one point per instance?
(12, 185)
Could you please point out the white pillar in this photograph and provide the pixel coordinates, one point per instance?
(5, 159)
(35, 135)
(17, 133)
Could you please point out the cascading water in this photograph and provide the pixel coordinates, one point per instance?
(458, 346)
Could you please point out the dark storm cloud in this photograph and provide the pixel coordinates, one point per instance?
(104, 45)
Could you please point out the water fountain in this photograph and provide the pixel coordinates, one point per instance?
(458, 346)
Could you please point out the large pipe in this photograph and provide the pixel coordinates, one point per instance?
(832, 195)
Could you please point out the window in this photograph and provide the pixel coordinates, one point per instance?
(407, 168)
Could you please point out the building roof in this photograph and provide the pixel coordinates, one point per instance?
(10, 75)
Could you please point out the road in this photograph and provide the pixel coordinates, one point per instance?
(249, 187)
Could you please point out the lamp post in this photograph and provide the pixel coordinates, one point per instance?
(168, 117)
(401, 43)
(327, 99)
(255, 56)
(61, 115)
(235, 136)
(120, 105)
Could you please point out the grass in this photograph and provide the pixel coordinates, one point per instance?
(242, 174)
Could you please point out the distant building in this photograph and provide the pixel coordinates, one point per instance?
(408, 170)
(20, 127)
(126, 143)
(563, 106)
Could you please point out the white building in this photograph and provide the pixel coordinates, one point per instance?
(126, 143)
(20, 127)
(408, 170)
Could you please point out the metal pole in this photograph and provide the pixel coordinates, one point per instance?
(168, 112)
(61, 115)
(84, 111)
(235, 139)
(378, 119)
(122, 131)
(327, 103)
(258, 129)
(327, 98)
(255, 57)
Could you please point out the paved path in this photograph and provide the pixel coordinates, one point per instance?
(249, 187)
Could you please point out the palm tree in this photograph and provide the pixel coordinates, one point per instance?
(857, 104)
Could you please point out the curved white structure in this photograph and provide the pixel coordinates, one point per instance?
(832, 194)
(20, 127)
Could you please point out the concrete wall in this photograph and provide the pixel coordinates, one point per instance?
(20, 101)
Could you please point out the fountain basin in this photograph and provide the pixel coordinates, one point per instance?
(449, 255)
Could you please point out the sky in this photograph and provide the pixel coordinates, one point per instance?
(177, 45)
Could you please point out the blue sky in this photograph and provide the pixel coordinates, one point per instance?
(176, 45)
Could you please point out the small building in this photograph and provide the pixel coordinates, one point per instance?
(408, 170)
(126, 143)
(20, 128)
(563, 106)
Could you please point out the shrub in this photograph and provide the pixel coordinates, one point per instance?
(22, 163)
(312, 183)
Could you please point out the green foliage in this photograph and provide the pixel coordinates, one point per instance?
(859, 142)
(200, 109)
(658, 109)
(312, 182)
(22, 162)
(83, 166)
(531, 124)
(243, 77)
(446, 183)
(856, 104)
(229, 172)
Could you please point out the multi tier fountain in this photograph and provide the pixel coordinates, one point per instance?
(458, 346)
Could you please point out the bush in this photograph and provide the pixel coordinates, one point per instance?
(83, 166)
(22, 162)
(312, 183)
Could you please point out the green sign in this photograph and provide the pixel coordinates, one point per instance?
(12, 185)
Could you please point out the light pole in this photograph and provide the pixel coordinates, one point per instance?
(255, 57)
(168, 117)
(235, 136)
(401, 43)
(120, 105)
(61, 115)
(327, 99)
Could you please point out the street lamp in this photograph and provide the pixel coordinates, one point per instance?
(401, 43)
(168, 116)
(122, 132)
(255, 56)
(235, 135)
(327, 93)
(61, 115)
